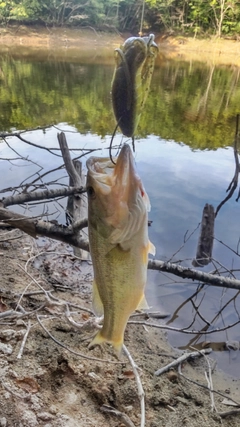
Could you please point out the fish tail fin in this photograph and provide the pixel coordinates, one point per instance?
(99, 339)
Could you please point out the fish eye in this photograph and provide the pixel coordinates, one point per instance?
(90, 192)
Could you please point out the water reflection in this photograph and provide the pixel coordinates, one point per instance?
(188, 102)
(183, 154)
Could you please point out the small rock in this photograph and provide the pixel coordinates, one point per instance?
(45, 416)
(172, 376)
(53, 409)
(7, 395)
(7, 335)
(128, 408)
(5, 348)
(3, 422)
(29, 418)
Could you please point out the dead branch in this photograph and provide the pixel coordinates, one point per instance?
(24, 340)
(76, 208)
(67, 160)
(141, 393)
(185, 330)
(19, 136)
(190, 273)
(229, 413)
(233, 184)
(40, 195)
(181, 359)
(36, 227)
(205, 241)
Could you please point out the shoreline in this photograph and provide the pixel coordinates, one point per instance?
(70, 40)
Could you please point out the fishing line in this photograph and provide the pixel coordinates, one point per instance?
(110, 147)
(142, 16)
(111, 142)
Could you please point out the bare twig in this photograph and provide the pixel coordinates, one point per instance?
(139, 385)
(24, 340)
(67, 160)
(204, 386)
(190, 273)
(35, 227)
(229, 413)
(181, 359)
(122, 417)
(183, 330)
(40, 195)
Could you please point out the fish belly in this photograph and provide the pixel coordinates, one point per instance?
(120, 277)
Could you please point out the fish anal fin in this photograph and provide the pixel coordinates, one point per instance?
(97, 302)
(143, 305)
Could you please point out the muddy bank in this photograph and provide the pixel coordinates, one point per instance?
(26, 39)
(46, 376)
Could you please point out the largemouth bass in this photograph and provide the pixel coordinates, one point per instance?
(119, 245)
(131, 80)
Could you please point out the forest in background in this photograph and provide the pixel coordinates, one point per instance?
(188, 17)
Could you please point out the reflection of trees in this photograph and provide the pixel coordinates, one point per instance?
(234, 183)
(186, 103)
(204, 100)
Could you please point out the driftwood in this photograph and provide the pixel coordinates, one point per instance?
(77, 204)
(205, 242)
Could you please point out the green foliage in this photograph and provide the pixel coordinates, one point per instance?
(216, 16)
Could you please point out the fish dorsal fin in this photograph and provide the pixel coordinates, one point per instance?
(97, 302)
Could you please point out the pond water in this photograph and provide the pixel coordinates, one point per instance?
(184, 155)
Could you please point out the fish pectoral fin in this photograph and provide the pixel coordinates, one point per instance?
(97, 302)
(143, 305)
(151, 248)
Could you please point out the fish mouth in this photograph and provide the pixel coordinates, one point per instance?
(126, 180)
(125, 164)
(118, 177)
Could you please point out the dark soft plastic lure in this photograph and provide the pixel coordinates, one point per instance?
(131, 81)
